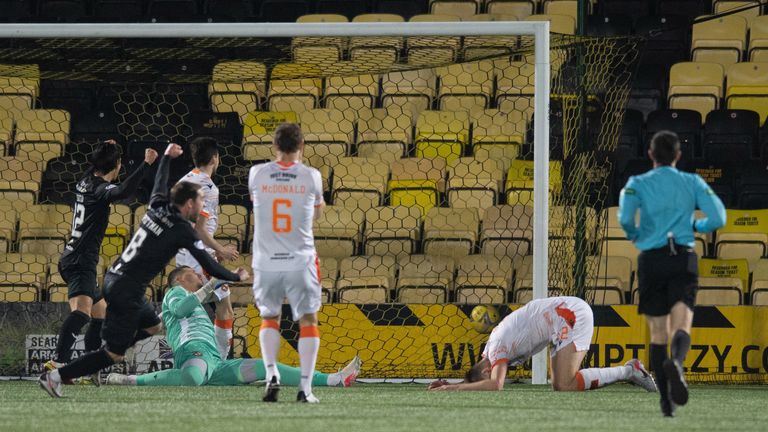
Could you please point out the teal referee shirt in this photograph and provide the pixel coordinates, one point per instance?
(667, 199)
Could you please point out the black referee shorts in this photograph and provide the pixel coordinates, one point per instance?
(665, 279)
(128, 311)
(80, 281)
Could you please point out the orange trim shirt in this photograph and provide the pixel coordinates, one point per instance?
(284, 199)
(210, 210)
(531, 328)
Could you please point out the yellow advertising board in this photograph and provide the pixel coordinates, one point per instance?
(425, 341)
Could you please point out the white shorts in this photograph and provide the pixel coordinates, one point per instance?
(301, 288)
(581, 333)
(184, 258)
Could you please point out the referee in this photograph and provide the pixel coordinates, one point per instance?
(667, 268)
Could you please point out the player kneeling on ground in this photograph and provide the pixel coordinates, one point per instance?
(191, 336)
(566, 323)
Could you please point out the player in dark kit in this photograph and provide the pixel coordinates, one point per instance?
(163, 231)
(93, 195)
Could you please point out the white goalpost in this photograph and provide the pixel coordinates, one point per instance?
(539, 31)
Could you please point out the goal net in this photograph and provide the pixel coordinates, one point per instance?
(426, 148)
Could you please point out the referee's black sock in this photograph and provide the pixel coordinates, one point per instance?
(71, 327)
(658, 355)
(93, 335)
(681, 343)
(86, 365)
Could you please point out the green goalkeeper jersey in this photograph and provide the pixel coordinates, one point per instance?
(187, 321)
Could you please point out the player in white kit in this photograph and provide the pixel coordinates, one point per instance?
(205, 155)
(287, 196)
(566, 324)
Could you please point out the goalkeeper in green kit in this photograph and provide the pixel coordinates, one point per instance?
(190, 334)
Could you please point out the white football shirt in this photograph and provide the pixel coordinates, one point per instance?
(528, 330)
(284, 200)
(210, 210)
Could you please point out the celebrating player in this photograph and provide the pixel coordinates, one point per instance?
(163, 231)
(667, 268)
(205, 155)
(286, 196)
(77, 266)
(566, 323)
(198, 362)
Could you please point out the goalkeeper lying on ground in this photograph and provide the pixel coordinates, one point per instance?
(189, 332)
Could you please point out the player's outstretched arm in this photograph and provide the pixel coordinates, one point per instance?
(224, 253)
(212, 267)
(160, 190)
(130, 184)
(494, 383)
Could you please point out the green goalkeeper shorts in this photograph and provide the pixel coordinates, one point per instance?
(197, 350)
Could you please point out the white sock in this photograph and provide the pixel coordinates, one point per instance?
(309, 344)
(590, 379)
(54, 374)
(223, 339)
(269, 339)
(334, 379)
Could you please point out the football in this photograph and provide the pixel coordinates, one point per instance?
(484, 318)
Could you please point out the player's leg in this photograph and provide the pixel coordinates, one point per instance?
(93, 334)
(222, 326)
(245, 371)
(81, 289)
(682, 297)
(268, 293)
(303, 292)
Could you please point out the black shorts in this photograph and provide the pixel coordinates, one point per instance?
(666, 279)
(80, 281)
(128, 311)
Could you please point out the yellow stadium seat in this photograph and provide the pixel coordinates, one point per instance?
(241, 294)
(563, 24)
(442, 134)
(719, 40)
(258, 128)
(515, 87)
(378, 50)
(520, 9)
(450, 231)
(745, 235)
(416, 182)
(507, 230)
(118, 231)
(758, 39)
(41, 134)
(483, 278)
(525, 294)
(337, 233)
(719, 291)
(322, 18)
(747, 89)
(722, 268)
(328, 133)
(618, 247)
(430, 50)
(392, 230)
(6, 134)
(696, 86)
(365, 279)
(19, 180)
(722, 6)
(383, 134)
(760, 293)
(759, 273)
(22, 275)
(498, 135)
(363, 295)
(410, 90)
(359, 182)
(424, 279)
(459, 8)
(465, 86)
(519, 184)
(351, 92)
(44, 229)
(329, 272)
(483, 47)
(8, 220)
(295, 87)
(319, 50)
(474, 183)
(18, 89)
(610, 272)
(604, 296)
(238, 86)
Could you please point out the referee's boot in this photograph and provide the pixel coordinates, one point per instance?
(273, 388)
(678, 389)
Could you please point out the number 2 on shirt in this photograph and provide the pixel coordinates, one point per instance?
(281, 222)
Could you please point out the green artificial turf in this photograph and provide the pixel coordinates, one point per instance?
(375, 407)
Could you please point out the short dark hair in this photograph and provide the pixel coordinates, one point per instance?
(203, 150)
(475, 373)
(175, 273)
(183, 191)
(664, 147)
(288, 136)
(105, 157)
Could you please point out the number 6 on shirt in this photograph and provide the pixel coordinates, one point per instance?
(281, 222)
